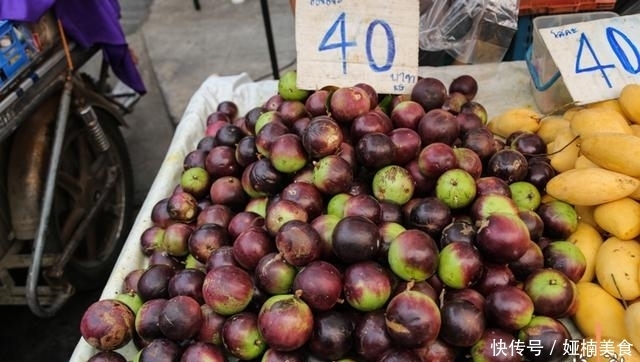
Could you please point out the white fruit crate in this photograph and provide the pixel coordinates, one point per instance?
(501, 86)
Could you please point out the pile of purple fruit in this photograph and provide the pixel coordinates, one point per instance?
(345, 225)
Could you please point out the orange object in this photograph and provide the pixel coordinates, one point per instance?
(537, 7)
(65, 46)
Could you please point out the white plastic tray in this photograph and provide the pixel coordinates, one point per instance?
(501, 86)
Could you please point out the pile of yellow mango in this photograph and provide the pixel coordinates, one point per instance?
(595, 150)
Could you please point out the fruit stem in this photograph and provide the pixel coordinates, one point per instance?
(615, 284)
(410, 284)
(565, 146)
(561, 108)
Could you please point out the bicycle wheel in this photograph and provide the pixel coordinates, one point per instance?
(81, 178)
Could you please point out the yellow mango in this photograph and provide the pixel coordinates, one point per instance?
(617, 268)
(515, 119)
(596, 120)
(629, 96)
(632, 323)
(550, 126)
(583, 162)
(611, 104)
(588, 239)
(563, 151)
(636, 194)
(546, 198)
(585, 214)
(569, 113)
(591, 186)
(597, 308)
(613, 151)
(635, 128)
(621, 218)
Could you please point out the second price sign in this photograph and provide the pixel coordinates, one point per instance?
(344, 42)
(596, 58)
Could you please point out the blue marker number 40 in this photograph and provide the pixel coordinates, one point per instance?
(338, 30)
(614, 37)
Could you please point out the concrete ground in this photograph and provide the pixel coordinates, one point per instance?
(178, 48)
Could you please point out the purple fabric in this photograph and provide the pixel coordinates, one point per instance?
(87, 22)
(21, 10)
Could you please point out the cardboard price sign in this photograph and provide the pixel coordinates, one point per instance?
(596, 58)
(344, 42)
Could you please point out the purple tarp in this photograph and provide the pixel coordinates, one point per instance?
(87, 22)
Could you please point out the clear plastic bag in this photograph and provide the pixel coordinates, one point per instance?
(447, 23)
(471, 31)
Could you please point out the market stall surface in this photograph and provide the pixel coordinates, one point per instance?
(178, 48)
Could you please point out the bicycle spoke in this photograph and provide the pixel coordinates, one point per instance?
(71, 221)
(91, 244)
(71, 184)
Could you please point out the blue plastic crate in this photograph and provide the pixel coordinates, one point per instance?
(13, 56)
(521, 40)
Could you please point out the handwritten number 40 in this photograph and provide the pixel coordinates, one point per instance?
(338, 29)
(614, 36)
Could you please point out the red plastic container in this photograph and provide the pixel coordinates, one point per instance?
(536, 7)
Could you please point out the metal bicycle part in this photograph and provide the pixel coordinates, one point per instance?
(45, 210)
(91, 209)
(82, 182)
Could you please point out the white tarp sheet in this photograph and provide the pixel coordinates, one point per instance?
(501, 86)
